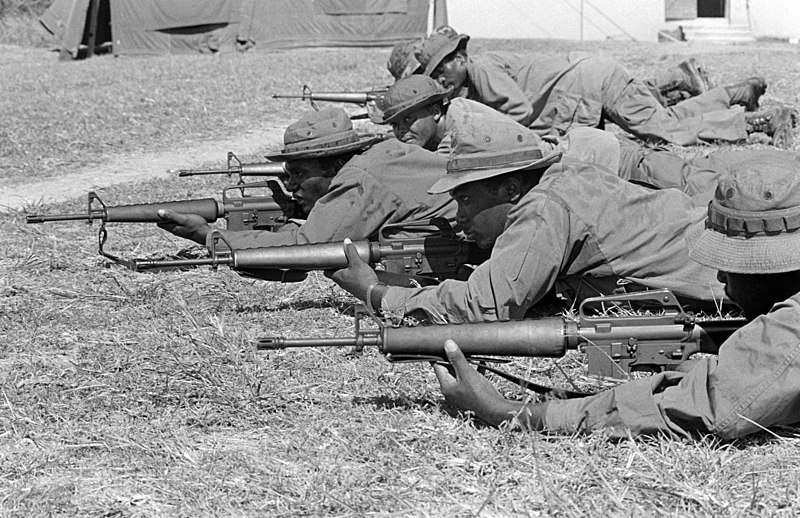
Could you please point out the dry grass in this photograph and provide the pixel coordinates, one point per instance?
(129, 394)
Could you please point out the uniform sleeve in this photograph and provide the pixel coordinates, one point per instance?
(592, 145)
(525, 262)
(495, 88)
(356, 206)
(753, 383)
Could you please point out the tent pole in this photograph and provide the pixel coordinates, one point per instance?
(95, 9)
(431, 17)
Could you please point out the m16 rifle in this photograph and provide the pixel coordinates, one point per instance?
(243, 212)
(236, 167)
(616, 340)
(367, 99)
(433, 253)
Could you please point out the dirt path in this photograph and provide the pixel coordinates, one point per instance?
(140, 166)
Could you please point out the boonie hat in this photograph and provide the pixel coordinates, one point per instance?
(320, 134)
(409, 94)
(753, 223)
(486, 144)
(438, 46)
(446, 29)
(402, 61)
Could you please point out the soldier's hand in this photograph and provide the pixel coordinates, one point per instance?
(187, 226)
(466, 389)
(357, 277)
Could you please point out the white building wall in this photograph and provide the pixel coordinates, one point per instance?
(770, 18)
(638, 20)
(561, 19)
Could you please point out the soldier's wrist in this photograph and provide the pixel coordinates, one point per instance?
(373, 298)
(531, 416)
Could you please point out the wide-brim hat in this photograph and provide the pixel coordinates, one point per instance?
(403, 61)
(753, 223)
(321, 134)
(466, 170)
(410, 94)
(436, 47)
(486, 143)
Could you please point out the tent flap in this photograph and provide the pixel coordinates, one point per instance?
(345, 7)
(66, 20)
(160, 14)
(140, 27)
(308, 23)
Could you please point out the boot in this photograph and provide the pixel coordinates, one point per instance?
(695, 77)
(683, 82)
(747, 92)
(776, 121)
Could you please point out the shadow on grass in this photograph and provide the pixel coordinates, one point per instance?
(417, 403)
(395, 402)
(343, 307)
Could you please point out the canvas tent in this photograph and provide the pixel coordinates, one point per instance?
(141, 27)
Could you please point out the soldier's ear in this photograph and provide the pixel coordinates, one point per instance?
(338, 164)
(511, 189)
(437, 112)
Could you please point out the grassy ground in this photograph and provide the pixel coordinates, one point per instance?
(128, 394)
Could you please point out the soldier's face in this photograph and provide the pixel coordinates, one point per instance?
(481, 212)
(418, 127)
(451, 72)
(307, 182)
(756, 294)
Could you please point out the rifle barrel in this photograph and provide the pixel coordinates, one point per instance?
(153, 264)
(276, 342)
(198, 172)
(43, 218)
(361, 98)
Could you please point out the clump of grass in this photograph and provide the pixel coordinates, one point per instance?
(19, 24)
(143, 394)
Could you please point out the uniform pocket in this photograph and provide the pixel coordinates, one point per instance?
(574, 110)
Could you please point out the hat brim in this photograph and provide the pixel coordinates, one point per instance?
(453, 180)
(752, 255)
(374, 112)
(416, 106)
(445, 51)
(363, 142)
